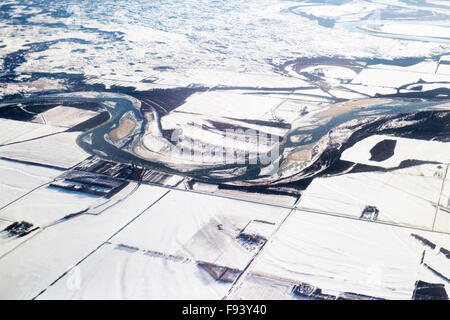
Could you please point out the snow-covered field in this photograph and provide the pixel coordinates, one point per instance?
(206, 230)
(131, 274)
(291, 70)
(342, 255)
(416, 30)
(401, 199)
(229, 105)
(16, 179)
(63, 116)
(12, 131)
(46, 150)
(32, 267)
(395, 79)
(47, 205)
(405, 149)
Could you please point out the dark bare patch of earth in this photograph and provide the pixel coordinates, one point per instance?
(383, 150)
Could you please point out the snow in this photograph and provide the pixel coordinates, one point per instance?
(385, 78)
(417, 30)
(211, 44)
(442, 223)
(344, 94)
(259, 228)
(31, 86)
(438, 2)
(369, 89)
(214, 45)
(444, 69)
(282, 200)
(395, 78)
(16, 179)
(427, 66)
(229, 105)
(351, 8)
(175, 119)
(424, 170)
(342, 255)
(7, 243)
(15, 131)
(426, 86)
(445, 194)
(194, 131)
(204, 230)
(141, 33)
(37, 263)
(401, 199)
(47, 150)
(311, 95)
(288, 111)
(63, 116)
(260, 288)
(228, 78)
(113, 272)
(333, 72)
(405, 149)
(46, 205)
